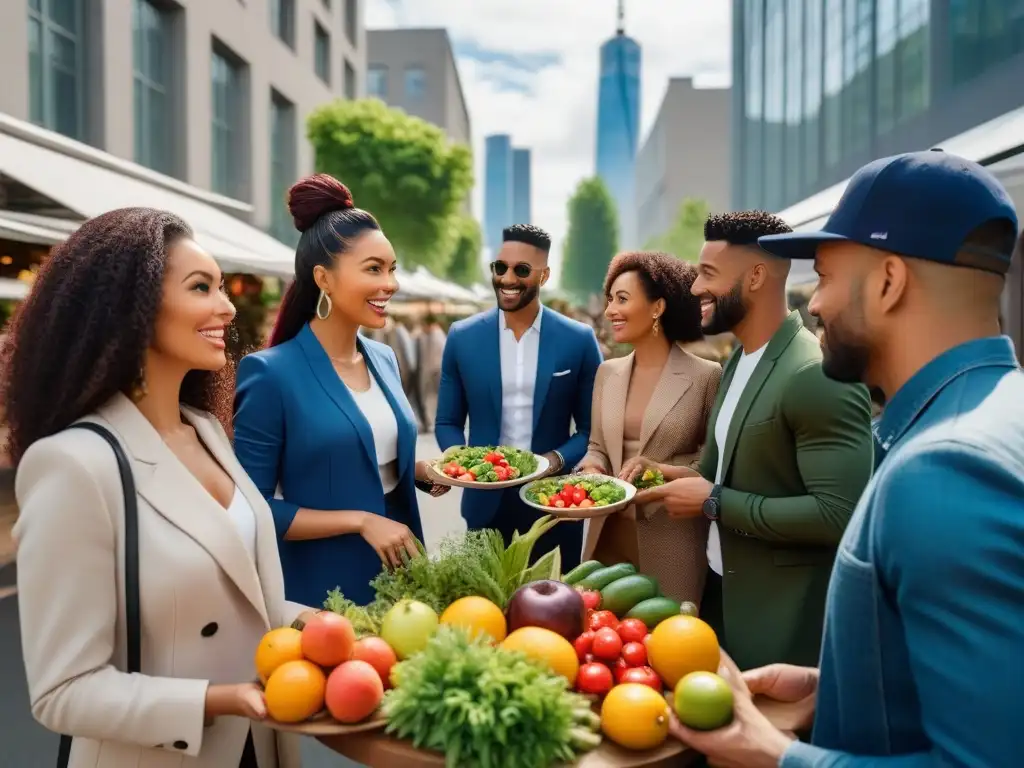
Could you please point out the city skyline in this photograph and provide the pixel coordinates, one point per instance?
(507, 188)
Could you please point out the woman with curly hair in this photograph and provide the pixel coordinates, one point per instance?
(650, 410)
(124, 330)
(322, 424)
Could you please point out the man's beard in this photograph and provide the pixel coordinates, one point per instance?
(728, 312)
(845, 356)
(529, 293)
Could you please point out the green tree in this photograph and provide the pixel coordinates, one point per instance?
(400, 168)
(592, 239)
(464, 267)
(685, 237)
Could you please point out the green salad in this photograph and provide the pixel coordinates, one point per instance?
(575, 493)
(649, 478)
(487, 465)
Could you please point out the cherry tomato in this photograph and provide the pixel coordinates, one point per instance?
(632, 630)
(493, 457)
(467, 477)
(619, 668)
(607, 644)
(644, 676)
(635, 654)
(501, 472)
(583, 644)
(578, 496)
(503, 463)
(591, 599)
(594, 678)
(566, 494)
(560, 503)
(601, 619)
(647, 639)
(586, 503)
(589, 658)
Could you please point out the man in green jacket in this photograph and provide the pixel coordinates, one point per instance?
(787, 455)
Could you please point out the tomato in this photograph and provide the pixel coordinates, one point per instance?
(578, 496)
(632, 630)
(646, 639)
(583, 644)
(591, 599)
(502, 463)
(634, 654)
(594, 678)
(601, 619)
(493, 457)
(467, 477)
(501, 473)
(566, 494)
(560, 503)
(607, 644)
(619, 668)
(644, 676)
(586, 503)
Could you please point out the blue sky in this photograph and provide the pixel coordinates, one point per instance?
(529, 68)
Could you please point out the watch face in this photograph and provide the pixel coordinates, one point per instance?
(710, 508)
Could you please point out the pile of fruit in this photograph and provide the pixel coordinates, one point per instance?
(487, 465)
(574, 493)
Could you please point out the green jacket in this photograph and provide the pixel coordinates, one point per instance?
(797, 457)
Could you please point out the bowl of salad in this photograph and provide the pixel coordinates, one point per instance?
(578, 496)
(487, 467)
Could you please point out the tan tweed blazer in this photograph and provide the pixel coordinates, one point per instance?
(673, 431)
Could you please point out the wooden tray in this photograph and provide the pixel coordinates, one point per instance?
(565, 513)
(440, 478)
(323, 725)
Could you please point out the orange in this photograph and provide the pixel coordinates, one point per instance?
(547, 647)
(477, 614)
(635, 716)
(295, 691)
(680, 645)
(277, 647)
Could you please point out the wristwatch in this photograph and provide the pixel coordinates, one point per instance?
(712, 507)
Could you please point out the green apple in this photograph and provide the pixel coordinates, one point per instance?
(408, 626)
(703, 701)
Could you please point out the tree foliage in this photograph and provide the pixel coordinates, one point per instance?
(464, 266)
(400, 168)
(685, 237)
(592, 239)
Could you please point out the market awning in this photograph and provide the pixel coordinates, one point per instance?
(89, 182)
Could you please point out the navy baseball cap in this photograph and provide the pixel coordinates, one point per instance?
(919, 204)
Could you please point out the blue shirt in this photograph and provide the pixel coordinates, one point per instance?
(923, 655)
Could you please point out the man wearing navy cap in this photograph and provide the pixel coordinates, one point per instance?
(923, 655)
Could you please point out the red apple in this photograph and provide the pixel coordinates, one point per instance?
(548, 604)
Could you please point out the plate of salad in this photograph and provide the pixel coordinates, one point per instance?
(578, 496)
(490, 467)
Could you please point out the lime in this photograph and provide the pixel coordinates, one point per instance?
(703, 700)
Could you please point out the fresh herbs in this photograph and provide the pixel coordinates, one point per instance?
(475, 563)
(486, 707)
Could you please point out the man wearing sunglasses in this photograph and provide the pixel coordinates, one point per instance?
(523, 375)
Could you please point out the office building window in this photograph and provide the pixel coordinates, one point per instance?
(886, 25)
(833, 128)
(55, 63)
(352, 21)
(753, 31)
(350, 81)
(282, 20)
(913, 56)
(983, 34)
(795, 154)
(377, 81)
(858, 36)
(814, 30)
(151, 41)
(227, 82)
(322, 52)
(283, 161)
(415, 83)
(774, 99)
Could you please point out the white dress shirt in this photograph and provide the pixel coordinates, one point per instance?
(375, 407)
(518, 378)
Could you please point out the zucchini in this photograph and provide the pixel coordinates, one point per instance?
(622, 594)
(601, 578)
(581, 571)
(653, 611)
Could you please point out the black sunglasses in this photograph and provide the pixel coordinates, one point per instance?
(522, 270)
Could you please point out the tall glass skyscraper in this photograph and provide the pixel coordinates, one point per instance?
(507, 187)
(522, 187)
(618, 123)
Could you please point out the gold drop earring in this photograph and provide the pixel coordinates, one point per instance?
(139, 389)
(656, 327)
(323, 315)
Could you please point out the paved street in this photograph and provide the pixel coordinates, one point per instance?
(25, 744)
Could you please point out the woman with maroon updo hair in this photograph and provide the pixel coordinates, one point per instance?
(322, 424)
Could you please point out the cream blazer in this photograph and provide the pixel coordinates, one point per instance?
(204, 603)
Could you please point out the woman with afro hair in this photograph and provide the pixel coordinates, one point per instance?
(650, 411)
(125, 328)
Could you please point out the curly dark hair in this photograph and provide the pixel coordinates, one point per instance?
(82, 333)
(743, 227)
(529, 234)
(663, 276)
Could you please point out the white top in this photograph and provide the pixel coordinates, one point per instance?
(518, 378)
(244, 520)
(384, 426)
(744, 368)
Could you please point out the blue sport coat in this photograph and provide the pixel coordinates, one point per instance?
(471, 387)
(297, 427)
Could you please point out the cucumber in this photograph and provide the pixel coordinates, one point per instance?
(622, 594)
(581, 571)
(601, 578)
(653, 611)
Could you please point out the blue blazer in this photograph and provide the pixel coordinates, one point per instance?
(298, 428)
(471, 387)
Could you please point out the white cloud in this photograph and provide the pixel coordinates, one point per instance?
(553, 110)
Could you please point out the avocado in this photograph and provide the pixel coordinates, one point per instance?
(653, 611)
(622, 594)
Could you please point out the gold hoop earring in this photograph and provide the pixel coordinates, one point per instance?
(319, 305)
(656, 327)
(139, 389)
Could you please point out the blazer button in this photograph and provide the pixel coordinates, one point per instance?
(209, 630)
(181, 744)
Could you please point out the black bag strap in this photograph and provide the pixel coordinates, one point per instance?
(133, 619)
